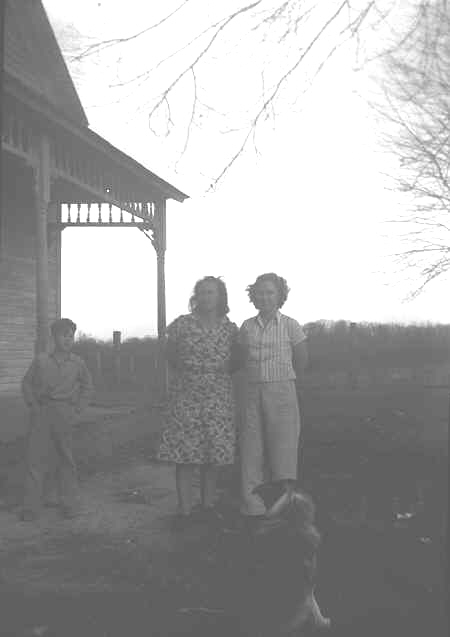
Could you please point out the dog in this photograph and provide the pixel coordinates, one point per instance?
(283, 564)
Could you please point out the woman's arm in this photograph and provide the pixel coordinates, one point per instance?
(171, 353)
(170, 348)
(28, 385)
(300, 360)
(238, 357)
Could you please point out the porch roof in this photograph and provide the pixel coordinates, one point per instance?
(41, 100)
(85, 167)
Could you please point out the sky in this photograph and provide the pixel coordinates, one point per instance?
(313, 205)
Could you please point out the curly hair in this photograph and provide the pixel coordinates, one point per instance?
(63, 325)
(222, 305)
(278, 281)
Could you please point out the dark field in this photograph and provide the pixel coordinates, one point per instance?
(374, 461)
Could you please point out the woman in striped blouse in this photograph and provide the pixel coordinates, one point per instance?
(276, 355)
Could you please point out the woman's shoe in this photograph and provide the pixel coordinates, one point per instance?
(181, 522)
(209, 515)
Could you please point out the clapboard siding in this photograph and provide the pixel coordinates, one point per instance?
(18, 279)
(17, 320)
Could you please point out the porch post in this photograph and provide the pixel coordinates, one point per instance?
(160, 247)
(2, 81)
(42, 202)
(54, 248)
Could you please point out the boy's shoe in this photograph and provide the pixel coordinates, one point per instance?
(26, 515)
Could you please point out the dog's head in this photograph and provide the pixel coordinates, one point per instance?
(289, 507)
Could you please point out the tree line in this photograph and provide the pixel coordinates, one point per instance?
(333, 346)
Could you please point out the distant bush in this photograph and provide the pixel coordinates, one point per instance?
(342, 345)
(334, 346)
(137, 360)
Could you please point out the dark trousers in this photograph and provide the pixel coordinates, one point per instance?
(50, 429)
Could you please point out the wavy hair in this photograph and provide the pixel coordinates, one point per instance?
(222, 305)
(278, 281)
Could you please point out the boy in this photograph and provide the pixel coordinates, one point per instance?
(56, 388)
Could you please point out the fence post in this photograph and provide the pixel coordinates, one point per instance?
(98, 368)
(160, 245)
(116, 357)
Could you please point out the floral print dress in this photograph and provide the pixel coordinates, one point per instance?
(200, 419)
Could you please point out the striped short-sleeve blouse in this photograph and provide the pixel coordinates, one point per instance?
(270, 347)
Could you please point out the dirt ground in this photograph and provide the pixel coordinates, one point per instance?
(120, 570)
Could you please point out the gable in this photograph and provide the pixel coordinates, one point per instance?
(33, 56)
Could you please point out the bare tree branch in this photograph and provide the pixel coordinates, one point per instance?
(108, 44)
(299, 29)
(221, 26)
(415, 111)
(272, 96)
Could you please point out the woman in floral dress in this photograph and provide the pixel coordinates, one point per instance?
(200, 422)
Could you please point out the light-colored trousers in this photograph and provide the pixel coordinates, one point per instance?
(268, 438)
(50, 429)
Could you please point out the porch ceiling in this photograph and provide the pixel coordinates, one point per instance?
(85, 168)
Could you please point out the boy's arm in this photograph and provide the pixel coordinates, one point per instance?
(28, 391)
(86, 387)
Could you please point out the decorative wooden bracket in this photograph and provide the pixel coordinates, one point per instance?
(85, 217)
